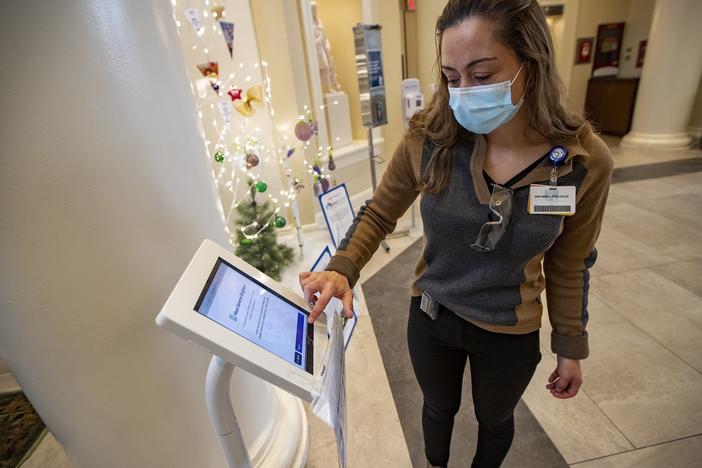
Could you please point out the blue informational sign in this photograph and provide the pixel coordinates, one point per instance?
(375, 69)
(338, 212)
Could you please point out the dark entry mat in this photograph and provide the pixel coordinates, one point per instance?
(388, 297)
(21, 429)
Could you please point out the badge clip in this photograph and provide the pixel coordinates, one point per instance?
(557, 155)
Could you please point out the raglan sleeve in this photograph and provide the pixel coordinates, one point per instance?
(398, 188)
(567, 262)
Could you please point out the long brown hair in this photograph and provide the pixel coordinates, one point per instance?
(521, 26)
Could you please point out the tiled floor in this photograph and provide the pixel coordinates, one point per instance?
(389, 305)
(640, 405)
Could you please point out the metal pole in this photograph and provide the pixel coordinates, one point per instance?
(371, 154)
(219, 405)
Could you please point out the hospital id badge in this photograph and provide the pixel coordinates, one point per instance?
(552, 199)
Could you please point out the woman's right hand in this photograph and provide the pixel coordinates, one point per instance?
(328, 284)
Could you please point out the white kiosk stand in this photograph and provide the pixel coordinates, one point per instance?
(247, 320)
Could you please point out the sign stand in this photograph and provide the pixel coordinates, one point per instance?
(371, 84)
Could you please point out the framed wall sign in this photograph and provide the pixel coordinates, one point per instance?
(607, 49)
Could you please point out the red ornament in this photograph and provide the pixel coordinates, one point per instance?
(251, 160)
(235, 93)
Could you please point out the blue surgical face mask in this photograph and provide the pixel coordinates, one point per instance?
(482, 109)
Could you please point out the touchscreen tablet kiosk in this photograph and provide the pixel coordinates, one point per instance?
(226, 306)
(254, 311)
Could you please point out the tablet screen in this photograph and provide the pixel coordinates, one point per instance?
(253, 311)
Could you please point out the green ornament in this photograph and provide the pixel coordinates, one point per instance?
(245, 242)
(261, 186)
(219, 157)
(279, 221)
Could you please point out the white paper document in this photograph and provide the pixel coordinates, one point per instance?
(329, 404)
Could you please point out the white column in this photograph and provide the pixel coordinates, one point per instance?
(694, 128)
(105, 194)
(670, 76)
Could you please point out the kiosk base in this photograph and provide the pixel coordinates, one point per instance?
(226, 425)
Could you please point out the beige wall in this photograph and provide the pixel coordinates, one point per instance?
(563, 33)
(338, 18)
(390, 18)
(638, 24)
(580, 19)
(427, 13)
(591, 14)
(411, 42)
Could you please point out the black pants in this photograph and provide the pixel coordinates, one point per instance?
(501, 367)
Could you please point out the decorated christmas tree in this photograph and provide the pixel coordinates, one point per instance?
(245, 141)
(255, 233)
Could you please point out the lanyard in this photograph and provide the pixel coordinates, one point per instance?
(557, 155)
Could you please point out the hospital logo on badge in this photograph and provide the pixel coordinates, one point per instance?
(557, 154)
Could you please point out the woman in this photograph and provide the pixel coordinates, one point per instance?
(494, 134)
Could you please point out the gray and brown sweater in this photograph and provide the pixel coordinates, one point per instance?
(497, 290)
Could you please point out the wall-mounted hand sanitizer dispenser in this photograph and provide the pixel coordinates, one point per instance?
(412, 99)
(371, 82)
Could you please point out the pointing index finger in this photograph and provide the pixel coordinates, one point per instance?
(322, 301)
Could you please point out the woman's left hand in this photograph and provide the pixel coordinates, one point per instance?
(566, 380)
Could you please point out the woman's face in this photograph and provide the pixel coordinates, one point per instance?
(471, 56)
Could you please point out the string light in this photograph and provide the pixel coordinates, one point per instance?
(235, 143)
